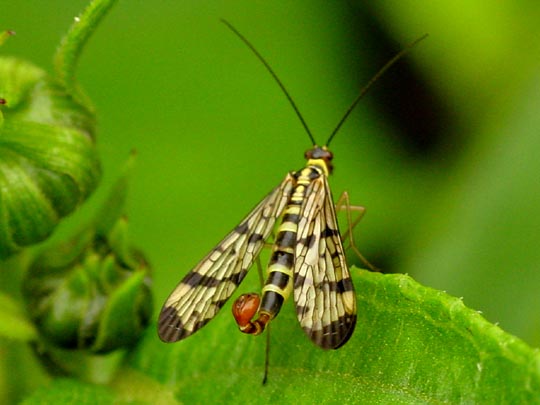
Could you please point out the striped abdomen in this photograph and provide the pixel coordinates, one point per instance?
(279, 283)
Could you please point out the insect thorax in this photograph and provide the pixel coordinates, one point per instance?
(320, 157)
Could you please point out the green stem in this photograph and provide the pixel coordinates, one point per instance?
(71, 46)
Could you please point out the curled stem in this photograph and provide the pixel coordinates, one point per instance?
(67, 54)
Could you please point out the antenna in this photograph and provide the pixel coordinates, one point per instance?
(362, 93)
(370, 83)
(276, 78)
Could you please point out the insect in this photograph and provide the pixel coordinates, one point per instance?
(307, 256)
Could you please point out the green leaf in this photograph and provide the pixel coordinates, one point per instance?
(114, 206)
(126, 305)
(412, 344)
(13, 322)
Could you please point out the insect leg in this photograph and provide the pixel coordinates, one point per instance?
(343, 204)
(267, 348)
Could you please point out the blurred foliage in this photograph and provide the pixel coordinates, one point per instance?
(442, 151)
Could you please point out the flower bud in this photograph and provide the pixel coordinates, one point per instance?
(92, 292)
(48, 159)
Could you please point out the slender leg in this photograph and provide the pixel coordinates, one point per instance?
(266, 355)
(343, 204)
(267, 350)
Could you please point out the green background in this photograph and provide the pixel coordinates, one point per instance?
(443, 152)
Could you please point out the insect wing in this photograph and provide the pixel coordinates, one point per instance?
(206, 288)
(323, 290)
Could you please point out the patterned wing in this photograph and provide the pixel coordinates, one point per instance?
(323, 290)
(206, 288)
